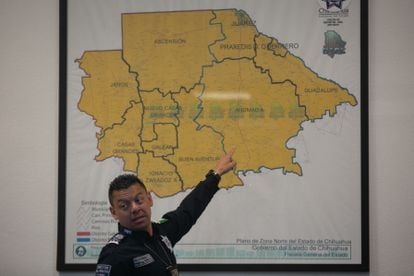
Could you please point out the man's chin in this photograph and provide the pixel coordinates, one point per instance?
(139, 225)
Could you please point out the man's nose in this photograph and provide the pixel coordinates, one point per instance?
(136, 206)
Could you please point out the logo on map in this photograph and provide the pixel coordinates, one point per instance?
(333, 11)
(334, 45)
(333, 3)
(80, 251)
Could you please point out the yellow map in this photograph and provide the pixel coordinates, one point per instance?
(189, 85)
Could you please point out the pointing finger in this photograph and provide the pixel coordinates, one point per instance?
(231, 151)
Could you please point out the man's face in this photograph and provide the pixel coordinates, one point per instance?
(132, 208)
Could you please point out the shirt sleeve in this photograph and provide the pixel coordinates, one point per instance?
(180, 221)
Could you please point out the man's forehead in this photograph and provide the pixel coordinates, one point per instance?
(131, 191)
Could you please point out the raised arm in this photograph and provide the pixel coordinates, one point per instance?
(180, 221)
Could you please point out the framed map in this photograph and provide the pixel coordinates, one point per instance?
(163, 88)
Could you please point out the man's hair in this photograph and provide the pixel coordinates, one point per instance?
(122, 182)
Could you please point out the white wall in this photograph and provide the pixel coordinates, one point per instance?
(29, 138)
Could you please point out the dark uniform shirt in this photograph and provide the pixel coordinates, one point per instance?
(138, 253)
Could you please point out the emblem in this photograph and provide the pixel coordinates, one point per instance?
(167, 242)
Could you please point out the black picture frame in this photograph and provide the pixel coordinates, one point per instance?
(62, 172)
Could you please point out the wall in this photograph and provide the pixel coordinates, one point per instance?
(29, 138)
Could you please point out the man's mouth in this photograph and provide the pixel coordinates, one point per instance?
(138, 219)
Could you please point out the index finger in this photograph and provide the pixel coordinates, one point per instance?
(231, 151)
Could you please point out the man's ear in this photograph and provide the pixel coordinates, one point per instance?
(150, 199)
(113, 212)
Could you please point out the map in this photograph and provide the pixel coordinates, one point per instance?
(189, 85)
(164, 88)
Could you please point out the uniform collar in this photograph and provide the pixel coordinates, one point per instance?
(138, 234)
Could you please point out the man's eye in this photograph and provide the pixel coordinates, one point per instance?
(123, 206)
(140, 199)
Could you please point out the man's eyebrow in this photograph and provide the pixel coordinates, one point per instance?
(126, 200)
(121, 200)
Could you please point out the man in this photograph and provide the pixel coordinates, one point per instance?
(142, 247)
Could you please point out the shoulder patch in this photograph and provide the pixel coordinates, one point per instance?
(116, 239)
(103, 270)
(163, 220)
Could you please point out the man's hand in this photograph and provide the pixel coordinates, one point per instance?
(226, 163)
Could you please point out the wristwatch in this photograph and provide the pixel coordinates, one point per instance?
(213, 173)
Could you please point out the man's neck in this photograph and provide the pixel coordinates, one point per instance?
(150, 230)
(127, 230)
